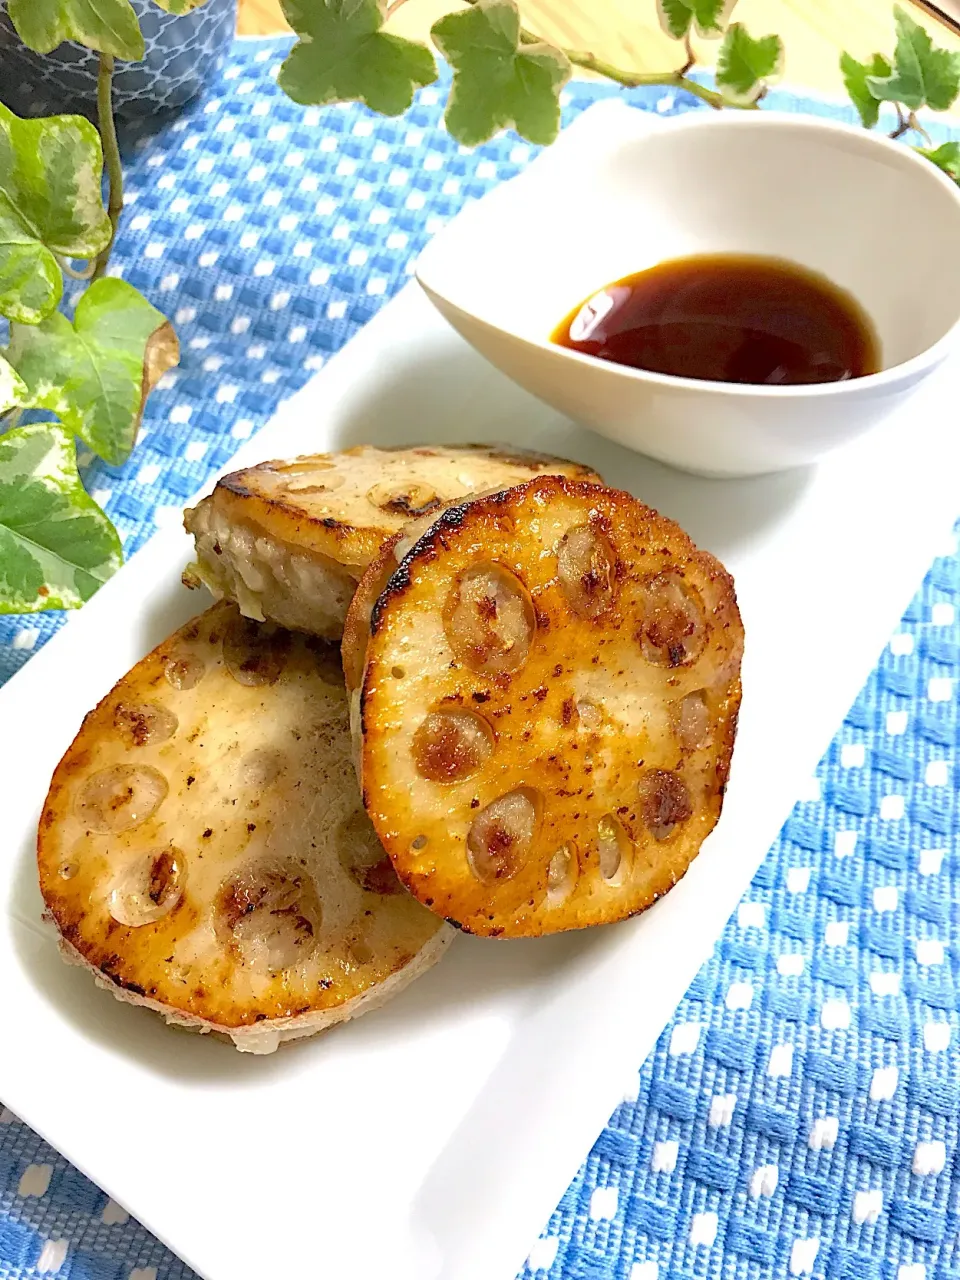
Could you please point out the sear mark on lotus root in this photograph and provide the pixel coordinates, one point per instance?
(674, 630)
(269, 911)
(664, 802)
(411, 500)
(140, 723)
(148, 888)
(255, 652)
(586, 571)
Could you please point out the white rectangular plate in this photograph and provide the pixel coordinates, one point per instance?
(433, 1139)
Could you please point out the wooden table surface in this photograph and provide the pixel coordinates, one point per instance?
(626, 32)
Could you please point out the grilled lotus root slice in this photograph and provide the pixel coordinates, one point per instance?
(289, 540)
(203, 848)
(547, 706)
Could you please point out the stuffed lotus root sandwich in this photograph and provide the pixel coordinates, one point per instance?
(545, 685)
(204, 852)
(287, 541)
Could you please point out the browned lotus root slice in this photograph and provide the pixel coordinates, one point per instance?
(545, 690)
(203, 848)
(289, 540)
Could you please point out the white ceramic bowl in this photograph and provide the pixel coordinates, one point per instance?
(622, 190)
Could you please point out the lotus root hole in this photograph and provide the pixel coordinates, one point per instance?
(664, 802)
(183, 671)
(67, 870)
(142, 723)
(674, 630)
(451, 744)
(362, 857)
(398, 673)
(613, 849)
(590, 715)
(419, 843)
(586, 571)
(270, 912)
(261, 767)
(121, 797)
(408, 500)
(148, 888)
(502, 835)
(489, 620)
(693, 721)
(255, 652)
(562, 872)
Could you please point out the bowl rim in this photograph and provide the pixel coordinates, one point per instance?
(911, 162)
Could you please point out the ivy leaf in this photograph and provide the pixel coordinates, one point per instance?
(708, 16)
(50, 204)
(744, 65)
(12, 389)
(855, 79)
(343, 56)
(922, 74)
(96, 373)
(109, 26)
(179, 6)
(499, 82)
(945, 157)
(56, 545)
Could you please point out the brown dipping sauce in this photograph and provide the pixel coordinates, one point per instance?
(727, 317)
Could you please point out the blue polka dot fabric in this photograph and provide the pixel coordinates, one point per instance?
(799, 1116)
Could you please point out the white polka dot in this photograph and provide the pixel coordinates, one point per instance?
(886, 897)
(892, 808)
(270, 376)
(541, 1256)
(226, 393)
(936, 1036)
(763, 1181)
(940, 689)
(313, 362)
(803, 1255)
(25, 640)
(664, 1158)
(798, 879)
(303, 249)
(240, 324)
(194, 231)
(233, 213)
(264, 267)
(780, 1062)
(901, 644)
(852, 755)
(885, 984)
(357, 257)
(929, 951)
(684, 1038)
(271, 199)
(739, 995)
(319, 275)
(520, 155)
(52, 1257)
(140, 222)
(929, 1158)
(279, 300)
(167, 182)
(35, 1180)
(931, 860)
(148, 473)
(336, 310)
(451, 186)
(240, 150)
(181, 413)
(751, 915)
(897, 723)
(169, 282)
(486, 169)
(416, 200)
(209, 258)
(114, 1215)
(155, 249)
(943, 615)
(722, 1106)
(703, 1229)
(883, 1084)
(242, 430)
(213, 364)
(937, 773)
(834, 1015)
(205, 165)
(836, 933)
(396, 240)
(844, 843)
(297, 333)
(185, 315)
(867, 1206)
(823, 1134)
(195, 451)
(180, 205)
(603, 1203)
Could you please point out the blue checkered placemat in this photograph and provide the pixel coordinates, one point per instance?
(800, 1114)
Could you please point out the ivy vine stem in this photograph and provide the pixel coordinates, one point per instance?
(111, 155)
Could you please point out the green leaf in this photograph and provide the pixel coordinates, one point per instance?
(50, 204)
(109, 26)
(343, 56)
(12, 388)
(945, 157)
(56, 545)
(922, 74)
(744, 65)
(179, 6)
(96, 373)
(498, 82)
(855, 79)
(708, 16)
